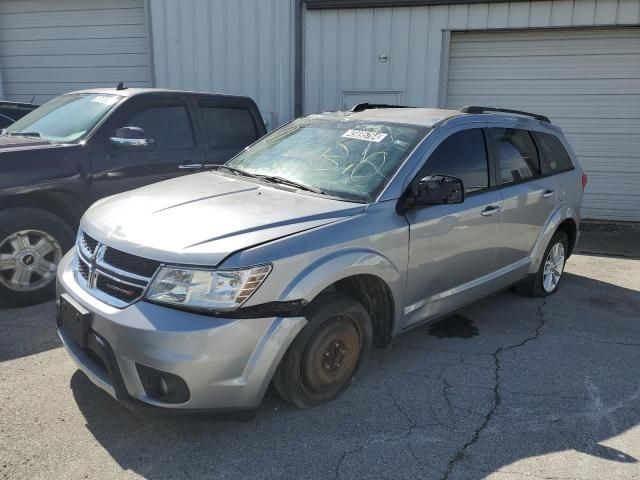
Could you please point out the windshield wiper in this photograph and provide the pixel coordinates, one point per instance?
(269, 178)
(293, 183)
(26, 134)
(216, 166)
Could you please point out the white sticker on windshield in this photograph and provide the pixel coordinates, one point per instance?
(365, 135)
(105, 99)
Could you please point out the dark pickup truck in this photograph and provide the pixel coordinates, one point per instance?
(86, 145)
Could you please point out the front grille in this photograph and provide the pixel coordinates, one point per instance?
(115, 277)
(89, 243)
(130, 263)
(83, 269)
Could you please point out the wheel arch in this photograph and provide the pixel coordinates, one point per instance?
(563, 218)
(65, 205)
(365, 275)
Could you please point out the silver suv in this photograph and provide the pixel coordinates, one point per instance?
(335, 232)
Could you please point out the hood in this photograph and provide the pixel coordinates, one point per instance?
(201, 219)
(22, 143)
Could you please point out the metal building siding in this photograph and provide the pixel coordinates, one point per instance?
(242, 47)
(341, 46)
(48, 47)
(341, 56)
(587, 81)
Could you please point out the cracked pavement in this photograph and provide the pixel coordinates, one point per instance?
(546, 389)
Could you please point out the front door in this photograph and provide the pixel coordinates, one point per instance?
(451, 247)
(168, 123)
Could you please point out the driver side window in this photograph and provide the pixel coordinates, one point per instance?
(168, 125)
(462, 155)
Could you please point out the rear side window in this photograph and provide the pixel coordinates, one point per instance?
(229, 127)
(168, 125)
(516, 154)
(462, 155)
(553, 156)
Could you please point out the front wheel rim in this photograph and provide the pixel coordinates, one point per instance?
(328, 364)
(553, 267)
(28, 260)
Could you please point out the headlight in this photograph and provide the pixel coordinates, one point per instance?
(209, 289)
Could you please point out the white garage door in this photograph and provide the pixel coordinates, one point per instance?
(586, 81)
(48, 47)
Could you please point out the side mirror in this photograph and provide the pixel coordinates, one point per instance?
(132, 138)
(435, 190)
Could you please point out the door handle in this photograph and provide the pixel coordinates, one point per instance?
(115, 174)
(548, 193)
(492, 210)
(191, 166)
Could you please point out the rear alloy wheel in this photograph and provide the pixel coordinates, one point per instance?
(547, 279)
(32, 243)
(330, 350)
(553, 267)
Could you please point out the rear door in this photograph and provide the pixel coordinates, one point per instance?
(164, 118)
(528, 197)
(229, 126)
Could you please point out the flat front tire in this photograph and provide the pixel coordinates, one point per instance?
(328, 353)
(32, 243)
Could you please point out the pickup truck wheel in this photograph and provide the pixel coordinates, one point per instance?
(329, 351)
(546, 281)
(32, 242)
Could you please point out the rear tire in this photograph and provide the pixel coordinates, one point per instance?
(547, 280)
(32, 243)
(328, 353)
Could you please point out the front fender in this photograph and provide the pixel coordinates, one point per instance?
(561, 214)
(339, 265)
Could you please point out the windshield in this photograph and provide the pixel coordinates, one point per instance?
(353, 160)
(66, 118)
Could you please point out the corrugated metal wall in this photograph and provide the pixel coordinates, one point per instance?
(343, 48)
(48, 47)
(242, 47)
(586, 80)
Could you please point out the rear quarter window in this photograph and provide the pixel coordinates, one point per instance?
(553, 156)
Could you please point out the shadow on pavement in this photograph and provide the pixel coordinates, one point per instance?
(27, 331)
(540, 376)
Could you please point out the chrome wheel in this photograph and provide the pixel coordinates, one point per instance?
(553, 267)
(28, 260)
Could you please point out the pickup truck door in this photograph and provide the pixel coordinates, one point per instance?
(166, 119)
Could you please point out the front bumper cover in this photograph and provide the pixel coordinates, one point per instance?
(226, 363)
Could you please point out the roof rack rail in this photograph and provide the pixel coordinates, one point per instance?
(359, 107)
(478, 109)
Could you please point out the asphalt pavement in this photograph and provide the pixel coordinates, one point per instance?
(509, 388)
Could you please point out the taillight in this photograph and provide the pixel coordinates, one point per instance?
(584, 181)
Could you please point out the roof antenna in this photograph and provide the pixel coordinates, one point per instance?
(121, 86)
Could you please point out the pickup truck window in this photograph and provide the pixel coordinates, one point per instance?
(66, 118)
(169, 125)
(351, 160)
(228, 127)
